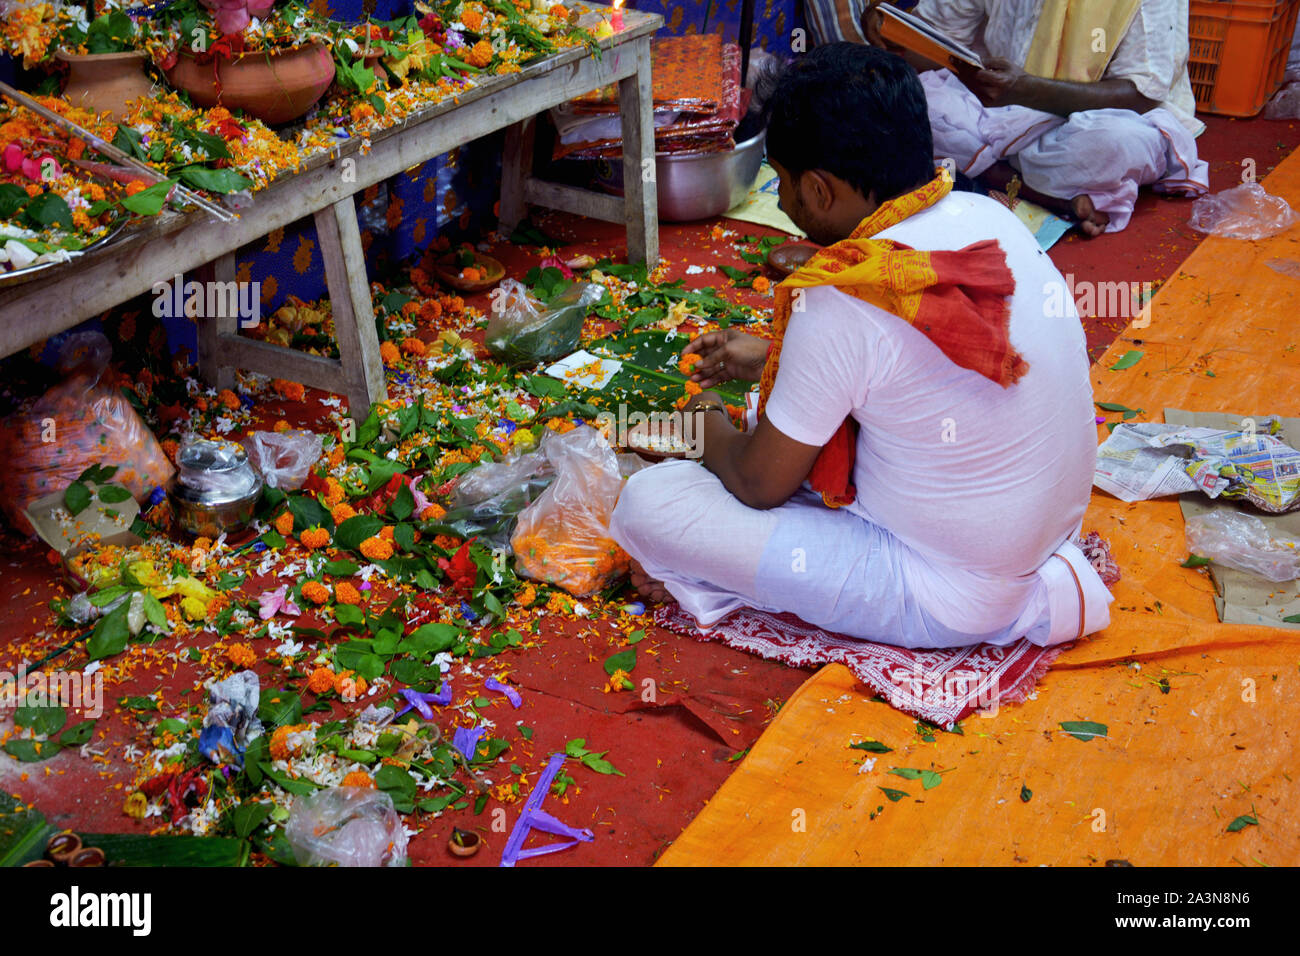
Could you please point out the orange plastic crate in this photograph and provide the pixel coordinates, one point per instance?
(1238, 52)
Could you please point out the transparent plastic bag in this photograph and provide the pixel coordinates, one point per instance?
(284, 459)
(563, 537)
(523, 331)
(1242, 212)
(346, 826)
(1285, 104)
(1242, 541)
(81, 421)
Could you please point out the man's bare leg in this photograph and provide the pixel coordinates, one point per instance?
(1092, 223)
(651, 590)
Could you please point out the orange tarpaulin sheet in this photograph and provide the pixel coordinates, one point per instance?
(1203, 718)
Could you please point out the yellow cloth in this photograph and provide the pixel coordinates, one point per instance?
(1067, 44)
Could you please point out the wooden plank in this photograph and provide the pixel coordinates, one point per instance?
(317, 371)
(584, 202)
(213, 367)
(640, 193)
(354, 320)
(516, 169)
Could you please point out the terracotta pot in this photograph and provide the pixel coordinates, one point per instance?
(275, 86)
(105, 81)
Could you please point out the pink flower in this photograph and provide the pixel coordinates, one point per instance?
(555, 262)
(273, 602)
(231, 16)
(421, 502)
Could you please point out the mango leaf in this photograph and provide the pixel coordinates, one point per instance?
(872, 747)
(1083, 729)
(1128, 360)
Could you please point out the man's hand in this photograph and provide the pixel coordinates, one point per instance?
(870, 23)
(705, 396)
(726, 355)
(1000, 83)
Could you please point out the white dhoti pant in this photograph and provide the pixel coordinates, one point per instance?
(830, 567)
(1103, 154)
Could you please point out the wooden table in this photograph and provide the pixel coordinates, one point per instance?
(185, 244)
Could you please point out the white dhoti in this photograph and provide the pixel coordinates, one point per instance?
(1106, 155)
(832, 568)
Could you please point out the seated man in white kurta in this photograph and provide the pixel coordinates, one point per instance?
(968, 490)
(1086, 100)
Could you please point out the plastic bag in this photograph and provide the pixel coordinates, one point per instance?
(81, 421)
(216, 470)
(1242, 541)
(346, 826)
(1285, 104)
(1242, 212)
(284, 459)
(563, 537)
(523, 331)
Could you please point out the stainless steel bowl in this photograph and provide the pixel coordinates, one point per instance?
(697, 185)
(215, 489)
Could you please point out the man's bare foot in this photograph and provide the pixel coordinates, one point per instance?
(1092, 222)
(650, 590)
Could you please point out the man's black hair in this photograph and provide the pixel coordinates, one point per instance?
(856, 112)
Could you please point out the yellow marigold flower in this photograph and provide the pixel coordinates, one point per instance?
(348, 686)
(527, 596)
(284, 524)
(433, 512)
(480, 54)
(334, 493)
(280, 749)
(618, 681)
(345, 593)
(321, 680)
(136, 805)
(201, 544)
(342, 511)
(241, 655)
(315, 592)
(282, 426)
(389, 354)
(229, 399)
(377, 549)
(414, 346)
(358, 778)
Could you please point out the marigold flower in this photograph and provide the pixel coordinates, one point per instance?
(135, 186)
(281, 748)
(358, 778)
(348, 686)
(527, 596)
(693, 388)
(334, 492)
(321, 680)
(342, 511)
(472, 19)
(284, 523)
(387, 532)
(688, 362)
(314, 538)
(470, 274)
(293, 391)
(761, 284)
(414, 346)
(377, 549)
(136, 805)
(433, 512)
(282, 426)
(389, 354)
(315, 592)
(229, 399)
(241, 655)
(346, 593)
(480, 54)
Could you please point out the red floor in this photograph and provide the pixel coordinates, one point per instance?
(713, 701)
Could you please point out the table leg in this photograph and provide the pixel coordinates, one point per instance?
(516, 168)
(211, 328)
(640, 195)
(354, 319)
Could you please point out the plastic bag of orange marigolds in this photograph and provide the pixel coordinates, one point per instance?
(563, 537)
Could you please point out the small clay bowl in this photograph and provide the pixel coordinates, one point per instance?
(786, 258)
(49, 863)
(449, 272)
(63, 846)
(90, 856)
(464, 843)
(640, 438)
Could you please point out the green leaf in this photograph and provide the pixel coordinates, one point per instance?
(247, 817)
(394, 780)
(224, 180)
(1243, 821)
(430, 639)
(154, 612)
(110, 634)
(112, 494)
(872, 747)
(308, 513)
(30, 751)
(342, 569)
(1128, 360)
(1083, 729)
(907, 773)
(356, 529)
(149, 202)
(597, 763)
(172, 725)
(1195, 561)
(349, 615)
(279, 708)
(298, 786)
(41, 720)
(930, 779)
(76, 498)
(623, 661)
(138, 704)
(1025, 794)
(48, 209)
(403, 503)
(894, 795)
(77, 734)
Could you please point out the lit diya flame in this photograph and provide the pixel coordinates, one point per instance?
(616, 21)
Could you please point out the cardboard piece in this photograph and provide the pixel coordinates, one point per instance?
(1245, 598)
(99, 523)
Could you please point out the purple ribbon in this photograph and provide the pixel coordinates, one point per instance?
(533, 817)
(420, 702)
(511, 694)
(466, 739)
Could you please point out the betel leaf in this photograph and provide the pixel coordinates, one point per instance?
(1084, 729)
(149, 201)
(48, 209)
(623, 661)
(1195, 561)
(77, 734)
(403, 503)
(1128, 360)
(279, 708)
(247, 817)
(430, 639)
(894, 795)
(930, 779)
(349, 615)
(872, 747)
(12, 199)
(76, 498)
(32, 751)
(112, 494)
(356, 529)
(342, 569)
(308, 513)
(110, 634)
(41, 720)
(225, 180)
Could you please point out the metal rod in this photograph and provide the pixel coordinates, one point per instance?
(181, 194)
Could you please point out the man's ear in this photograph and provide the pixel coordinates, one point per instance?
(820, 191)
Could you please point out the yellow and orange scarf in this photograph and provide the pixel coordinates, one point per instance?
(957, 299)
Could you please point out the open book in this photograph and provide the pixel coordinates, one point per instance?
(912, 33)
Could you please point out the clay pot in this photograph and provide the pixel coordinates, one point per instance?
(90, 856)
(105, 81)
(39, 863)
(276, 86)
(464, 843)
(63, 846)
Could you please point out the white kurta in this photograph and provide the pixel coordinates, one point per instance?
(966, 490)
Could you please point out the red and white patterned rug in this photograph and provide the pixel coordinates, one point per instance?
(938, 686)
